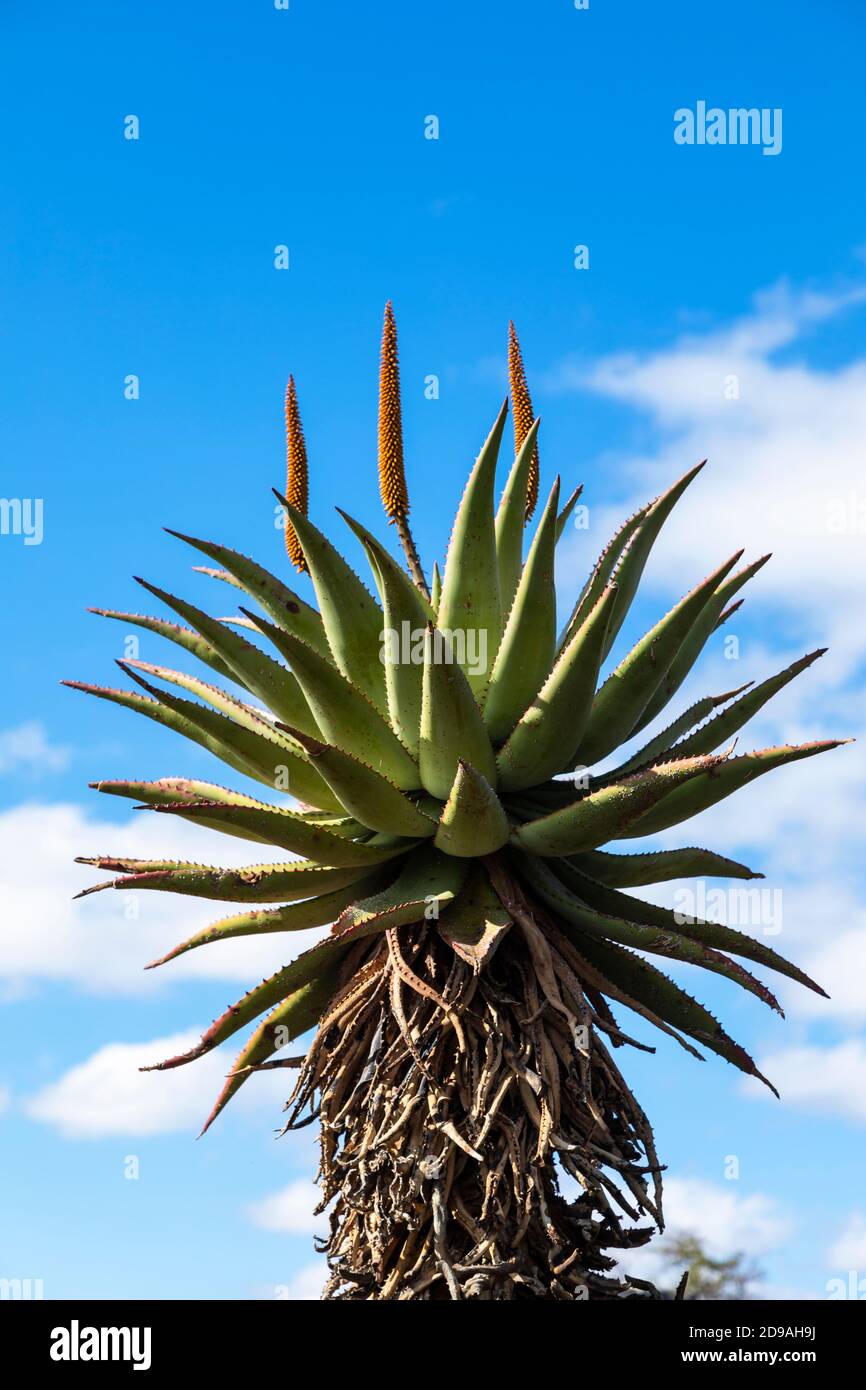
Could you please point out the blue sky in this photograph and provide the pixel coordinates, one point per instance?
(155, 257)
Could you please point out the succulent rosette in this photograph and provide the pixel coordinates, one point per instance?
(443, 789)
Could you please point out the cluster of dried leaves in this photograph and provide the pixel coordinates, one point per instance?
(449, 1099)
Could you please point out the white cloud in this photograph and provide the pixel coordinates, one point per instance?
(826, 1080)
(306, 1286)
(290, 1210)
(779, 456)
(725, 1221)
(848, 1250)
(838, 964)
(5, 1099)
(102, 942)
(108, 1095)
(784, 459)
(723, 1218)
(26, 749)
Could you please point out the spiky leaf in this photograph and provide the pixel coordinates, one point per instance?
(607, 813)
(351, 617)
(286, 608)
(511, 520)
(547, 735)
(473, 820)
(451, 724)
(709, 788)
(470, 603)
(624, 695)
(526, 651)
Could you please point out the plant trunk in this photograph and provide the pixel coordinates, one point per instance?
(453, 1097)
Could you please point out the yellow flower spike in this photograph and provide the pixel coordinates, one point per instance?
(392, 475)
(392, 472)
(521, 409)
(297, 473)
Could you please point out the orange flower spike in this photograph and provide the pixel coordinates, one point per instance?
(392, 474)
(392, 471)
(297, 475)
(521, 410)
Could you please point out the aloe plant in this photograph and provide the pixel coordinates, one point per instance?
(443, 788)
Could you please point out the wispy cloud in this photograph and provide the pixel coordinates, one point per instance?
(27, 749)
(290, 1211)
(108, 1094)
(848, 1250)
(824, 1080)
(305, 1286)
(785, 441)
(102, 942)
(725, 1220)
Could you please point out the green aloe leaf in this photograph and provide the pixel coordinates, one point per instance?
(257, 883)
(428, 883)
(653, 990)
(171, 719)
(452, 727)
(237, 726)
(707, 621)
(470, 606)
(476, 922)
(247, 624)
(683, 803)
(727, 613)
(545, 739)
(563, 518)
(657, 866)
(255, 755)
(511, 520)
(367, 794)
(473, 821)
(298, 916)
(715, 935)
(286, 608)
(259, 673)
(631, 564)
(184, 637)
(169, 790)
(248, 716)
(346, 718)
(660, 747)
(605, 925)
(351, 616)
(624, 695)
(292, 1017)
(422, 611)
(528, 643)
(305, 970)
(222, 575)
(273, 825)
(435, 588)
(600, 577)
(720, 728)
(406, 616)
(607, 813)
